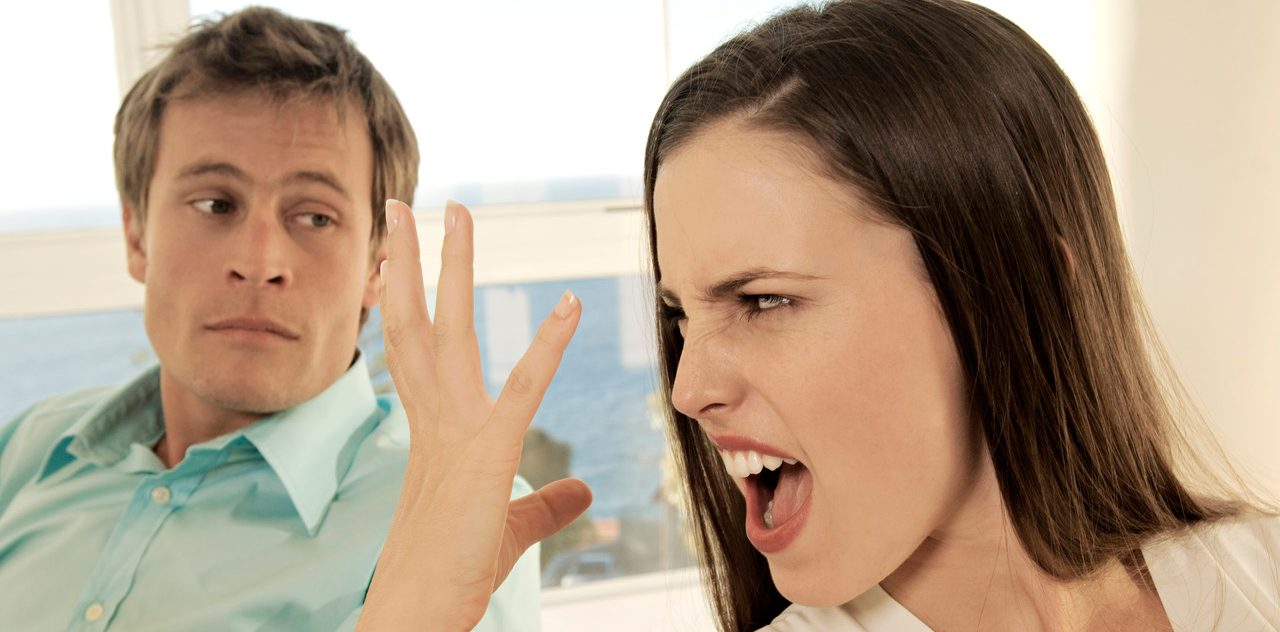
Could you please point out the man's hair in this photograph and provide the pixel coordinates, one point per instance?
(284, 57)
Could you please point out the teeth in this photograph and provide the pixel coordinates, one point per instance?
(741, 464)
(768, 515)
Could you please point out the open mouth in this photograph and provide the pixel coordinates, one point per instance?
(777, 492)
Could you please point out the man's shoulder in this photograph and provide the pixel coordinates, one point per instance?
(26, 440)
(47, 419)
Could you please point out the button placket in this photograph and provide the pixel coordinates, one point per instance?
(94, 612)
(161, 495)
(154, 500)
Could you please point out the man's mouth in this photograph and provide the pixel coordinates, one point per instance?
(253, 324)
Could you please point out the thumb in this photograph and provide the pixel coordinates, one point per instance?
(537, 516)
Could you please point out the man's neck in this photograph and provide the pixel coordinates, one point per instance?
(189, 420)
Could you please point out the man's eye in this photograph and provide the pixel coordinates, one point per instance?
(213, 206)
(315, 220)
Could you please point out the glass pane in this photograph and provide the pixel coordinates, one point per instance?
(597, 422)
(56, 116)
(512, 101)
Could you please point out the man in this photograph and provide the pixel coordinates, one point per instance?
(248, 481)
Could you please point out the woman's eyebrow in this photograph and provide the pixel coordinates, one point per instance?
(731, 285)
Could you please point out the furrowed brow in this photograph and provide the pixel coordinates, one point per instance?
(732, 285)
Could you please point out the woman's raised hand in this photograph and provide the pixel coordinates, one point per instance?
(456, 534)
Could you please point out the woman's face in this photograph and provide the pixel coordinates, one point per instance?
(811, 334)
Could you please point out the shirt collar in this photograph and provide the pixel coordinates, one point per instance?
(105, 432)
(307, 446)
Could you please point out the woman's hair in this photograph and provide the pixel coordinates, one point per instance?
(952, 123)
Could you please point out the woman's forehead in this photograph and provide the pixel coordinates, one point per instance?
(736, 197)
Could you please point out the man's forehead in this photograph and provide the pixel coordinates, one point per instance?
(254, 135)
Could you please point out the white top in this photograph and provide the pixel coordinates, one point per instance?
(1220, 577)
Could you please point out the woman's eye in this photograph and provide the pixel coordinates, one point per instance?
(213, 206)
(765, 302)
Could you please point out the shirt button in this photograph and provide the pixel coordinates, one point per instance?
(160, 494)
(93, 612)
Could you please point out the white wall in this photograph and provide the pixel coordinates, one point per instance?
(1203, 207)
(1186, 98)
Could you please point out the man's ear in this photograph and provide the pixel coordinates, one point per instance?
(134, 243)
(373, 284)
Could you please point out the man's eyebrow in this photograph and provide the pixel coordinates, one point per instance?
(225, 168)
(731, 285)
(220, 168)
(317, 177)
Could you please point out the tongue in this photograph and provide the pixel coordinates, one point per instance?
(794, 485)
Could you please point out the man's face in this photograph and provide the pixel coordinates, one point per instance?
(255, 250)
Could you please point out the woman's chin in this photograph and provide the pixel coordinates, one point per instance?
(812, 587)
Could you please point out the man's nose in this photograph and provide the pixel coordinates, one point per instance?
(259, 252)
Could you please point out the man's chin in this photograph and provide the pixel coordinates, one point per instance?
(250, 397)
(250, 403)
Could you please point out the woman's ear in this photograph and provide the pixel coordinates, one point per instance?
(1067, 256)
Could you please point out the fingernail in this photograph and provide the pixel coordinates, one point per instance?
(565, 306)
(450, 215)
(393, 214)
(382, 271)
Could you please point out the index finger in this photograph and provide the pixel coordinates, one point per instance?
(528, 381)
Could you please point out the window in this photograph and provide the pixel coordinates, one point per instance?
(58, 110)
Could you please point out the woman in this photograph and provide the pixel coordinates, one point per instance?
(901, 344)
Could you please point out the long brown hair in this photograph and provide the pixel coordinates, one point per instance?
(954, 124)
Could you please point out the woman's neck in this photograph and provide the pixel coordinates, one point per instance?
(972, 574)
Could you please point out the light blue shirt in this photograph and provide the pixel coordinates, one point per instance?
(275, 527)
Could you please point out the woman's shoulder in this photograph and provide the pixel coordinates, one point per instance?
(872, 611)
(798, 618)
(1243, 546)
(1227, 570)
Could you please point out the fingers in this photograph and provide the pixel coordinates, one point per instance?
(455, 334)
(528, 381)
(537, 516)
(406, 326)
